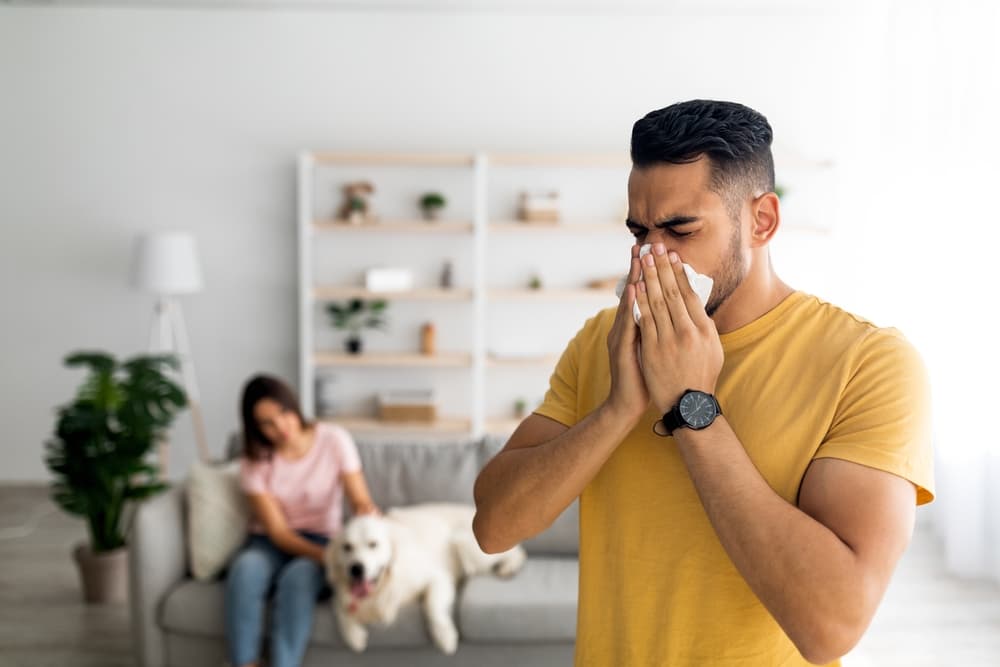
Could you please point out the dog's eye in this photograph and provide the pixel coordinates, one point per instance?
(372, 545)
(347, 548)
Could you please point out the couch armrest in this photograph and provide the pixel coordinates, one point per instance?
(157, 563)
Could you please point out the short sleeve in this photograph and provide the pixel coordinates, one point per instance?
(560, 402)
(883, 419)
(347, 451)
(253, 476)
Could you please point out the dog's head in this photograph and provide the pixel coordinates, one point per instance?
(359, 556)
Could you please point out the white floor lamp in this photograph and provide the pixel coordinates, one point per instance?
(166, 264)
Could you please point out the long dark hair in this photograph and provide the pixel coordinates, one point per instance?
(256, 446)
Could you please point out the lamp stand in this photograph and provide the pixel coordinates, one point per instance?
(169, 335)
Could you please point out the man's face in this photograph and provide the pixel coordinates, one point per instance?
(673, 204)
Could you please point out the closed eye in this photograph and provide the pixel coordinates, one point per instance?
(372, 545)
(640, 233)
(670, 224)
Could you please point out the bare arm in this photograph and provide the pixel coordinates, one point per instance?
(545, 465)
(821, 568)
(267, 511)
(357, 493)
(539, 473)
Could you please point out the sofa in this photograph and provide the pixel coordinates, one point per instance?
(529, 619)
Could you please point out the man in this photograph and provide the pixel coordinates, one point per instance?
(748, 470)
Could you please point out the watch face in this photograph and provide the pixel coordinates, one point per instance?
(697, 409)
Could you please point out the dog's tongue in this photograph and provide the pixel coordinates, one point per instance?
(361, 589)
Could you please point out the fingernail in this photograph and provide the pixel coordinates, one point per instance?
(659, 248)
(648, 259)
(642, 286)
(674, 257)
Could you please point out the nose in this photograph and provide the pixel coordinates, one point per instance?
(357, 571)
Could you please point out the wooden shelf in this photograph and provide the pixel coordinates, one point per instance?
(547, 360)
(620, 159)
(393, 359)
(335, 293)
(553, 294)
(395, 159)
(371, 425)
(502, 226)
(397, 226)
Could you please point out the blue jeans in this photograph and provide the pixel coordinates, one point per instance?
(259, 569)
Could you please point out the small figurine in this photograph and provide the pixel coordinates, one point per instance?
(446, 276)
(356, 208)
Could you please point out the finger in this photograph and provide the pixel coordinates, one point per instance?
(691, 299)
(654, 295)
(629, 333)
(647, 323)
(667, 265)
(634, 268)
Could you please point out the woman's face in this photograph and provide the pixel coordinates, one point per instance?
(278, 424)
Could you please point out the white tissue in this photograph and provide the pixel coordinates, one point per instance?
(702, 285)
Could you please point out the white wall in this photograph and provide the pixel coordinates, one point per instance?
(115, 120)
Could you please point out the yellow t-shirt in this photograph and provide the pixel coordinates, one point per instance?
(804, 381)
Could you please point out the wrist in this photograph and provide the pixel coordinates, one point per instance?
(618, 413)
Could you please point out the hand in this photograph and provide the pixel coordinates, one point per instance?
(368, 509)
(680, 345)
(628, 395)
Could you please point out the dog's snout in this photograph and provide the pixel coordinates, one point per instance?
(357, 571)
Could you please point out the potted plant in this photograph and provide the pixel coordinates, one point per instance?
(356, 315)
(99, 454)
(432, 204)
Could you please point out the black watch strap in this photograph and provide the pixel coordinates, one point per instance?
(672, 420)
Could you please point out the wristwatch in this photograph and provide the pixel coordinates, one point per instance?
(695, 410)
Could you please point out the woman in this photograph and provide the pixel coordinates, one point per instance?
(295, 475)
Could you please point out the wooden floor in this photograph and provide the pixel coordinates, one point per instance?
(927, 618)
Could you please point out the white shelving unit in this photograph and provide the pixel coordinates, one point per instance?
(476, 363)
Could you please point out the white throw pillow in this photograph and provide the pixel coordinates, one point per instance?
(218, 515)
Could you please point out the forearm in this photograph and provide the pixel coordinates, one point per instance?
(522, 491)
(292, 543)
(808, 579)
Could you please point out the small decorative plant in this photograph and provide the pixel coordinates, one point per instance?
(520, 408)
(356, 315)
(432, 204)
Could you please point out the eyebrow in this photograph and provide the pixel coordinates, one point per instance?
(672, 221)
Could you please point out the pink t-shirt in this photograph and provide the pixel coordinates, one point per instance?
(308, 490)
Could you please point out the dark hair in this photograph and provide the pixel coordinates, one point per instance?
(256, 446)
(736, 139)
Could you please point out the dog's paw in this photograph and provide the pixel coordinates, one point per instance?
(445, 637)
(511, 562)
(356, 637)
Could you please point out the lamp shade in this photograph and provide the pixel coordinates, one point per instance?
(166, 263)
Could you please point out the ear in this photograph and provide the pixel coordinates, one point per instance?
(765, 218)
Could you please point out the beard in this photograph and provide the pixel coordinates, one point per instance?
(731, 274)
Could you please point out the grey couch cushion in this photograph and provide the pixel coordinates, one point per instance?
(538, 604)
(404, 472)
